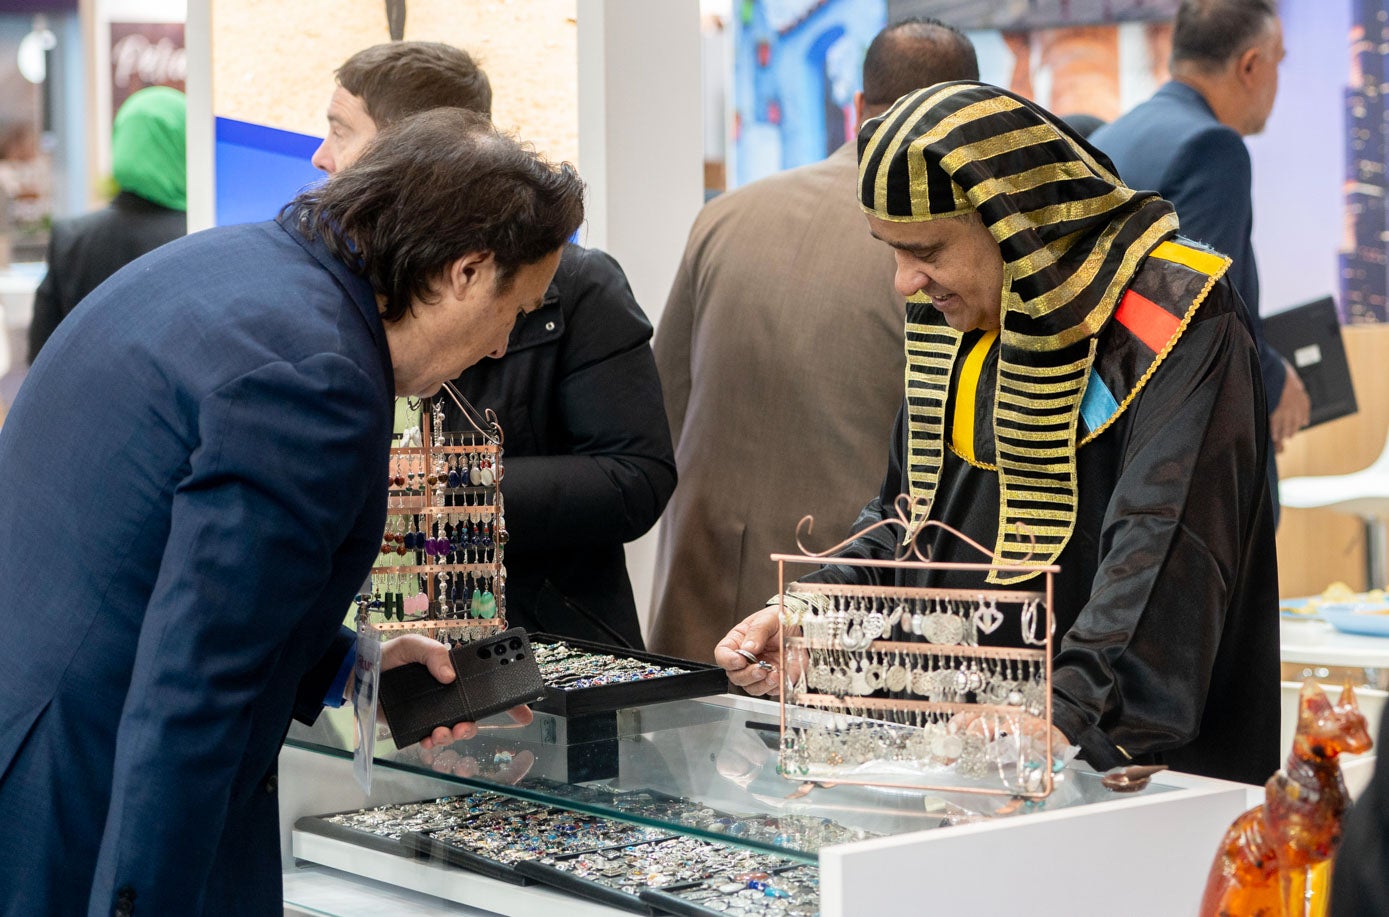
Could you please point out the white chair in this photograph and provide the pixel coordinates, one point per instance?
(1362, 493)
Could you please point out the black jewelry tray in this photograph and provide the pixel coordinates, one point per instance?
(667, 900)
(585, 888)
(320, 825)
(596, 889)
(667, 903)
(700, 679)
(421, 844)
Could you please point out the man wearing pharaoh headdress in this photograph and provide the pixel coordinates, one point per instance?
(1079, 391)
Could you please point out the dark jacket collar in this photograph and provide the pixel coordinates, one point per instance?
(130, 201)
(542, 326)
(355, 285)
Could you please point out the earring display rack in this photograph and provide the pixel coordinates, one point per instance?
(921, 687)
(441, 570)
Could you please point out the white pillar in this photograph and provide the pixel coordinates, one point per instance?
(641, 150)
(641, 135)
(202, 173)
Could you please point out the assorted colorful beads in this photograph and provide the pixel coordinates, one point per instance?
(441, 553)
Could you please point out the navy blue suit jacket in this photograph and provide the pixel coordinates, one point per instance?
(1173, 144)
(192, 495)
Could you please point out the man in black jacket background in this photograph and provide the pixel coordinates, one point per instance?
(588, 459)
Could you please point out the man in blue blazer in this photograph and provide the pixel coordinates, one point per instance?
(1187, 144)
(194, 491)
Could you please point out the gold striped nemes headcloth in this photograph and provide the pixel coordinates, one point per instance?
(1071, 236)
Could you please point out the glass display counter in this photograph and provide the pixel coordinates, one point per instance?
(706, 770)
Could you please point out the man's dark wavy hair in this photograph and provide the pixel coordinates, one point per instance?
(435, 187)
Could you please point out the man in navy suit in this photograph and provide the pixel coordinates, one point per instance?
(194, 491)
(1187, 144)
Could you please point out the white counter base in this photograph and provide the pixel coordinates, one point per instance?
(1136, 857)
(441, 881)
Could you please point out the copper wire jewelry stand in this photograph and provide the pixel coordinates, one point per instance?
(830, 708)
(429, 501)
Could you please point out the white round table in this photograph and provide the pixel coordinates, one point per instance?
(1315, 649)
(1316, 642)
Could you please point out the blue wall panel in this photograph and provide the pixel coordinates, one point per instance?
(259, 170)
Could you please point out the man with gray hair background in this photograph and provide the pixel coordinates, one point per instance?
(1187, 144)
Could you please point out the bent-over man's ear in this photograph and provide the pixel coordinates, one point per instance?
(465, 271)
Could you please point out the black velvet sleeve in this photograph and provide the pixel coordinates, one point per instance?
(49, 303)
(313, 687)
(879, 543)
(1134, 670)
(614, 472)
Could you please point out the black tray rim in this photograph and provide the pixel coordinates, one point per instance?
(584, 888)
(702, 679)
(319, 824)
(423, 845)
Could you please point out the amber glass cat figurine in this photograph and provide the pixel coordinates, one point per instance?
(1275, 860)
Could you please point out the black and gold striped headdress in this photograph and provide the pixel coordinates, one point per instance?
(1072, 235)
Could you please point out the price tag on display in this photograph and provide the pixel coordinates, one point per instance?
(367, 675)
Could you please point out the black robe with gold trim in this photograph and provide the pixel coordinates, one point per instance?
(1166, 603)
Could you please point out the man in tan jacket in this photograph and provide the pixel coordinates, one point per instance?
(780, 351)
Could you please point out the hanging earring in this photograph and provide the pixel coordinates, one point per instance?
(442, 594)
(950, 629)
(1029, 624)
(897, 615)
(875, 674)
(487, 604)
(475, 600)
(896, 677)
(1014, 697)
(987, 617)
(452, 478)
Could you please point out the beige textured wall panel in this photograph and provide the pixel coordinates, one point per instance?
(273, 62)
(1317, 547)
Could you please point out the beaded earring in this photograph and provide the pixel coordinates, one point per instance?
(443, 595)
(453, 478)
(487, 604)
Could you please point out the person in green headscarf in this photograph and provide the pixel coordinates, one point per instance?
(149, 167)
(1082, 389)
